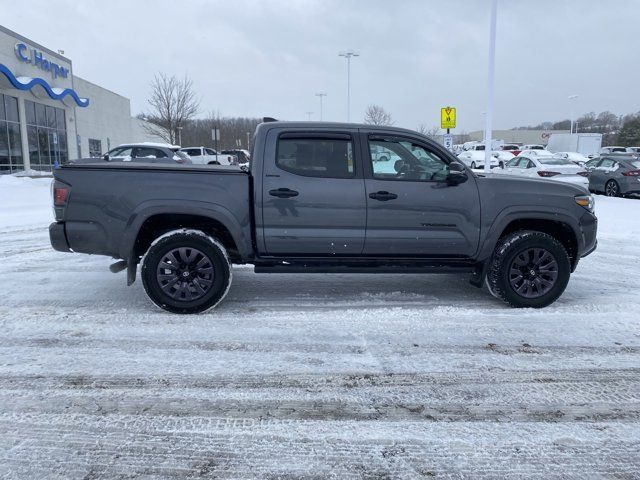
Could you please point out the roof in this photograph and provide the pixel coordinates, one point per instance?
(149, 144)
(337, 125)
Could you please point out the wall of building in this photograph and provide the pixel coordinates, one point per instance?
(518, 136)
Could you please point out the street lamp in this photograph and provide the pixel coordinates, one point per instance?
(320, 95)
(488, 133)
(571, 97)
(348, 54)
(309, 115)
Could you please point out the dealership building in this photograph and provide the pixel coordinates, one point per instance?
(48, 115)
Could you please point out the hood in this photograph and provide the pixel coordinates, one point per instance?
(528, 185)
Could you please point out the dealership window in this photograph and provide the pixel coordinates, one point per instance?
(46, 135)
(95, 148)
(10, 139)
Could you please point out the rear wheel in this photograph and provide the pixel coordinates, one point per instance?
(473, 165)
(612, 189)
(529, 269)
(186, 271)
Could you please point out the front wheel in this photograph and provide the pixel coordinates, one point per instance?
(529, 269)
(186, 271)
(473, 165)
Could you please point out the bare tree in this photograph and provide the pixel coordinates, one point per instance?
(376, 115)
(173, 103)
(431, 132)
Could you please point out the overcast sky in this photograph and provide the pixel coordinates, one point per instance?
(268, 58)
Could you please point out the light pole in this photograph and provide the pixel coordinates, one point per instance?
(309, 115)
(348, 54)
(320, 95)
(571, 97)
(488, 134)
(179, 128)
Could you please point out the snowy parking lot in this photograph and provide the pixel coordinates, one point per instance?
(318, 376)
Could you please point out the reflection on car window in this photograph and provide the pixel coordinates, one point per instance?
(316, 157)
(405, 160)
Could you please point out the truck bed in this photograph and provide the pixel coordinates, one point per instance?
(108, 203)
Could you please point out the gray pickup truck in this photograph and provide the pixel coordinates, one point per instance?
(314, 201)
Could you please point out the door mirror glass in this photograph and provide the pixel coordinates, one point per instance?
(105, 157)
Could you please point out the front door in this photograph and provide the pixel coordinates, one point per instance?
(313, 198)
(411, 209)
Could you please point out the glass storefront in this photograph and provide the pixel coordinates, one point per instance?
(46, 134)
(11, 159)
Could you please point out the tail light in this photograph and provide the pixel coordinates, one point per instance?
(544, 173)
(60, 195)
(583, 174)
(632, 173)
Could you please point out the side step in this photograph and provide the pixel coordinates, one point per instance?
(363, 267)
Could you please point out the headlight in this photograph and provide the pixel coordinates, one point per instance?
(586, 201)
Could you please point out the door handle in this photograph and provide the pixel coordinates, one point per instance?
(283, 193)
(383, 196)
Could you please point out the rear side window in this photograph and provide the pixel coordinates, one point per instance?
(316, 157)
(193, 152)
(208, 152)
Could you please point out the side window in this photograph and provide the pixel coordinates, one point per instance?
(208, 151)
(513, 162)
(146, 152)
(194, 152)
(606, 164)
(406, 160)
(120, 152)
(316, 157)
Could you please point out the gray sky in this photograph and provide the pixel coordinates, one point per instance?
(257, 58)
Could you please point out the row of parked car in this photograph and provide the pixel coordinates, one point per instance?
(148, 152)
(611, 173)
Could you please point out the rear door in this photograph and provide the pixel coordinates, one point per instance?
(599, 176)
(411, 209)
(313, 196)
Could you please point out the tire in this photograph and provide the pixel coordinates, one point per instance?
(612, 189)
(473, 165)
(215, 162)
(201, 277)
(540, 283)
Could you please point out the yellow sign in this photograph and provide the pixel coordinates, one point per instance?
(447, 117)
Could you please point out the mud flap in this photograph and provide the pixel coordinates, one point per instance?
(479, 274)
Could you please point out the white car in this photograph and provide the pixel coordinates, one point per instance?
(475, 158)
(535, 152)
(533, 146)
(550, 167)
(575, 157)
(607, 150)
(633, 149)
(208, 156)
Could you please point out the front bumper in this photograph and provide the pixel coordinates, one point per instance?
(58, 237)
(589, 228)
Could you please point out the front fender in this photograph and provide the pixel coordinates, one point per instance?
(513, 213)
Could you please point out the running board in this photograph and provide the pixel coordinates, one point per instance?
(360, 267)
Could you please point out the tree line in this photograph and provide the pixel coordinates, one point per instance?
(174, 106)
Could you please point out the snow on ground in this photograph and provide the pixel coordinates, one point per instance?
(319, 376)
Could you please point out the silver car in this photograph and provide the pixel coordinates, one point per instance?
(615, 176)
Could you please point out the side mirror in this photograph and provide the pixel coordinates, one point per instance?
(105, 157)
(457, 174)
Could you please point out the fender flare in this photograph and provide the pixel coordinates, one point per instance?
(216, 212)
(514, 213)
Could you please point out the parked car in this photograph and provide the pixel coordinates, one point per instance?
(208, 156)
(145, 152)
(315, 202)
(575, 157)
(513, 148)
(607, 150)
(535, 152)
(533, 146)
(615, 176)
(476, 158)
(551, 167)
(242, 155)
(633, 150)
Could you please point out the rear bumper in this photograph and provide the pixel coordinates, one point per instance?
(58, 237)
(630, 185)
